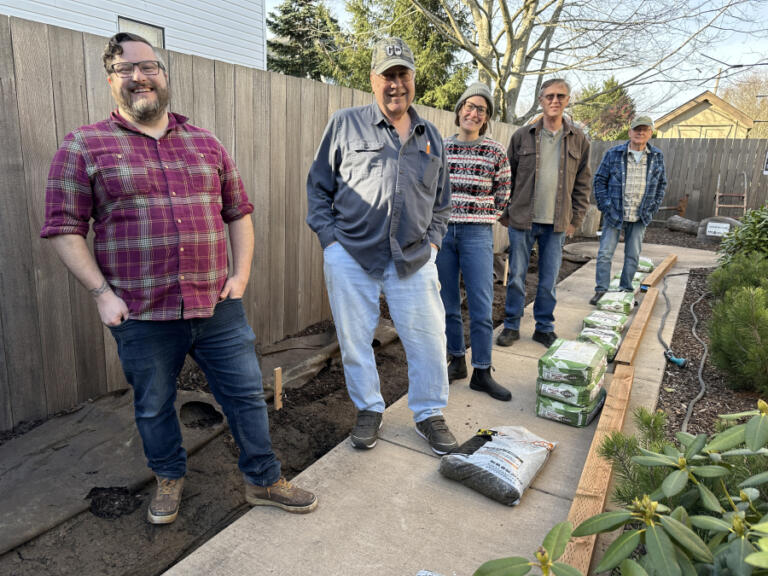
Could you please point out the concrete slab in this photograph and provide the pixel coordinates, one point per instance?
(383, 512)
(388, 511)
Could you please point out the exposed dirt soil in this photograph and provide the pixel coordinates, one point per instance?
(115, 539)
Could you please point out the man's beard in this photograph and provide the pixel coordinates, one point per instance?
(145, 110)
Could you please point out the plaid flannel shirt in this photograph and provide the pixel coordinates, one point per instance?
(159, 210)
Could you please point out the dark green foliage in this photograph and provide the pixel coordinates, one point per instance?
(743, 269)
(305, 39)
(608, 115)
(739, 337)
(751, 237)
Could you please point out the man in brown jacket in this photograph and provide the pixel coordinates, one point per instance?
(551, 183)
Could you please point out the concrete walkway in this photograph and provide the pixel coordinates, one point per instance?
(389, 512)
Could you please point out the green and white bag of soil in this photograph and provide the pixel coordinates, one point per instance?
(621, 302)
(645, 264)
(580, 396)
(606, 320)
(615, 285)
(606, 338)
(573, 361)
(578, 416)
(499, 463)
(638, 277)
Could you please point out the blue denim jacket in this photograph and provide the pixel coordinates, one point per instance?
(611, 178)
(379, 200)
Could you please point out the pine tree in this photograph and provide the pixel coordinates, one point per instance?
(305, 37)
(608, 115)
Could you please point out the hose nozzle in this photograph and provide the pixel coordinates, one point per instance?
(679, 362)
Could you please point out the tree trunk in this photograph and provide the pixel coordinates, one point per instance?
(680, 224)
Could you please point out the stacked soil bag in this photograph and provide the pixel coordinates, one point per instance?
(570, 384)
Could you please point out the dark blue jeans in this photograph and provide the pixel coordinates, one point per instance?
(550, 257)
(468, 251)
(633, 243)
(152, 355)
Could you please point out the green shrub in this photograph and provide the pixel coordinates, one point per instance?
(751, 236)
(741, 270)
(739, 337)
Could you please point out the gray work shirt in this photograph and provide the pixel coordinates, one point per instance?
(381, 201)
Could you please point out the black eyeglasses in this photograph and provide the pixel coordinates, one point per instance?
(146, 67)
(481, 110)
(550, 97)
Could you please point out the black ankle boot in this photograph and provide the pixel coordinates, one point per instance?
(482, 381)
(457, 368)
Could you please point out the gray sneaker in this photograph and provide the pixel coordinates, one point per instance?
(435, 431)
(282, 494)
(164, 506)
(366, 432)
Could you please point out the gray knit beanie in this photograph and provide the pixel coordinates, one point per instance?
(477, 89)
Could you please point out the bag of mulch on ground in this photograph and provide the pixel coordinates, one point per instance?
(578, 416)
(645, 264)
(606, 320)
(607, 339)
(573, 361)
(615, 285)
(501, 464)
(569, 394)
(617, 302)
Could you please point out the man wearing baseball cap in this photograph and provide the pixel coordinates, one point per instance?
(629, 187)
(379, 201)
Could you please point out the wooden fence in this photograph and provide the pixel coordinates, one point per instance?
(54, 352)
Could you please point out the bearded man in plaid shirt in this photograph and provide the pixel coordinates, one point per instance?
(160, 192)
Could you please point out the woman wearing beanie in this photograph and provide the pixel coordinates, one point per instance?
(480, 183)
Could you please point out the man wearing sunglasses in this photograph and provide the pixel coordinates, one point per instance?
(160, 192)
(551, 184)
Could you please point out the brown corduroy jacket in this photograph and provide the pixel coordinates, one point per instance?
(574, 182)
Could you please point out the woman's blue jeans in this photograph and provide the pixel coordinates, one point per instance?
(467, 251)
(609, 239)
(550, 257)
(152, 355)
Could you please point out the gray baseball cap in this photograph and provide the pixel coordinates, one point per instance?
(641, 121)
(391, 52)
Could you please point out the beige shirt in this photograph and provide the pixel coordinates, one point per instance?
(634, 188)
(549, 171)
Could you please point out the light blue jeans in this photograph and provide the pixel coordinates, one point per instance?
(609, 239)
(550, 258)
(468, 251)
(419, 317)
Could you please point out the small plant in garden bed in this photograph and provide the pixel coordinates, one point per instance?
(706, 510)
(751, 236)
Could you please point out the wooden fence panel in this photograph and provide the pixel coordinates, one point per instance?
(182, 84)
(69, 77)
(277, 205)
(262, 177)
(22, 390)
(319, 296)
(306, 151)
(38, 142)
(204, 94)
(292, 138)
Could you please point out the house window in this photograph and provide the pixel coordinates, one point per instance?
(154, 34)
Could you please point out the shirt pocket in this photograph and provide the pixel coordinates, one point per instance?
(203, 173)
(526, 159)
(123, 175)
(364, 159)
(430, 169)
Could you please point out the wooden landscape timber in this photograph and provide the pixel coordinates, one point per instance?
(592, 490)
(278, 388)
(654, 277)
(628, 351)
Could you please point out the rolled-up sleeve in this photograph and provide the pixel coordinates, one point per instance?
(68, 194)
(235, 203)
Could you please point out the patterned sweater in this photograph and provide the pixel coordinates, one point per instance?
(480, 179)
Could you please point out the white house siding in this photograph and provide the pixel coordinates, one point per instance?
(227, 30)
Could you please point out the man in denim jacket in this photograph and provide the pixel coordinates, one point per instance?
(629, 187)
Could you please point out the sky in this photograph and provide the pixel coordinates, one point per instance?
(732, 50)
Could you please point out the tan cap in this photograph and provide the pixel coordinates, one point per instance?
(391, 52)
(641, 121)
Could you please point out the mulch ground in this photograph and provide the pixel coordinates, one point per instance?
(314, 419)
